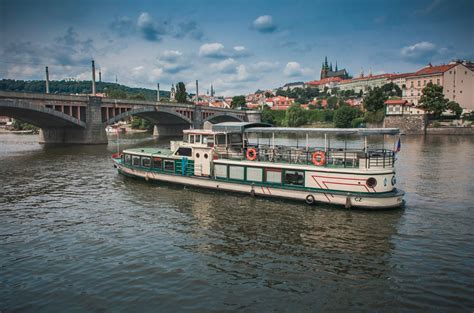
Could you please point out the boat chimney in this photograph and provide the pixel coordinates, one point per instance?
(158, 92)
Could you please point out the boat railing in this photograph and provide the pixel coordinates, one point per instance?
(346, 158)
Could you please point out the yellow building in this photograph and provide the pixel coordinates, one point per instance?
(456, 78)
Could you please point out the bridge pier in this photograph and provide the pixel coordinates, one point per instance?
(169, 130)
(93, 133)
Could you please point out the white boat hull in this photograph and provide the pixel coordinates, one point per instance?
(347, 199)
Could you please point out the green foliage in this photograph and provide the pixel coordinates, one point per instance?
(455, 108)
(358, 122)
(432, 100)
(295, 116)
(301, 95)
(181, 95)
(374, 99)
(344, 115)
(78, 87)
(391, 90)
(138, 96)
(332, 102)
(238, 102)
(374, 117)
(117, 94)
(140, 123)
(19, 125)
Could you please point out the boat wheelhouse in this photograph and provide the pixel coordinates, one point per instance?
(349, 167)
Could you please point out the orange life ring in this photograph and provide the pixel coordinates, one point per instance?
(318, 158)
(251, 154)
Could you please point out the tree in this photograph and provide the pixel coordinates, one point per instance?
(117, 94)
(332, 102)
(181, 95)
(455, 108)
(238, 102)
(267, 115)
(374, 99)
(392, 90)
(432, 100)
(138, 96)
(343, 116)
(295, 116)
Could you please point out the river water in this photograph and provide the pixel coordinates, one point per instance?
(75, 236)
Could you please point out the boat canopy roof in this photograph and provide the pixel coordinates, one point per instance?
(237, 127)
(331, 131)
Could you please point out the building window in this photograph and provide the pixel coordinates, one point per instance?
(465, 72)
(437, 81)
(424, 82)
(450, 72)
(294, 178)
(411, 85)
(419, 83)
(460, 91)
(418, 93)
(273, 176)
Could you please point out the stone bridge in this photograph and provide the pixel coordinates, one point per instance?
(82, 119)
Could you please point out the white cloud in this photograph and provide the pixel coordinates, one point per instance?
(149, 29)
(264, 66)
(225, 66)
(419, 52)
(171, 55)
(293, 69)
(212, 50)
(239, 48)
(264, 24)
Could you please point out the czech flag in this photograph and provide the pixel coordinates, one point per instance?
(399, 145)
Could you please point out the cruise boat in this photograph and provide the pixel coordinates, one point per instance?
(346, 167)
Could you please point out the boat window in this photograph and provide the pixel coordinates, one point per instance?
(191, 138)
(220, 170)
(209, 140)
(169, 165)
(273, 176)
(235, 138)
(220, 139)
(136, 160)
(157, 163)
(146, 162)
(294, 178)
(128, 159)
(254, 174)
(184, 151)
(236, 172)
(198, 138)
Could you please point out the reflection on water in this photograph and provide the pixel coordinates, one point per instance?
(75, 236)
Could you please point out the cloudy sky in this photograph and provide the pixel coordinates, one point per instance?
(239, 46)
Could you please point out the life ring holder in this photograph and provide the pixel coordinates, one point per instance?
(318, 158)
(251, 154)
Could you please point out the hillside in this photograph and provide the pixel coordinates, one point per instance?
(79, 87)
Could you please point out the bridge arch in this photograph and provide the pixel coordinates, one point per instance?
(223, 117)
(156, 115)
(37, 115)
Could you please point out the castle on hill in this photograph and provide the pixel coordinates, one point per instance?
(327, 71)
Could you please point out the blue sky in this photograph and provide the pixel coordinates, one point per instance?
(239, 46)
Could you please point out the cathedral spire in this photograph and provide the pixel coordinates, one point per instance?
(336, 66)
(330, 67)
(326, 62)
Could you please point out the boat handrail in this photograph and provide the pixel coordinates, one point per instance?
(331, 131)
